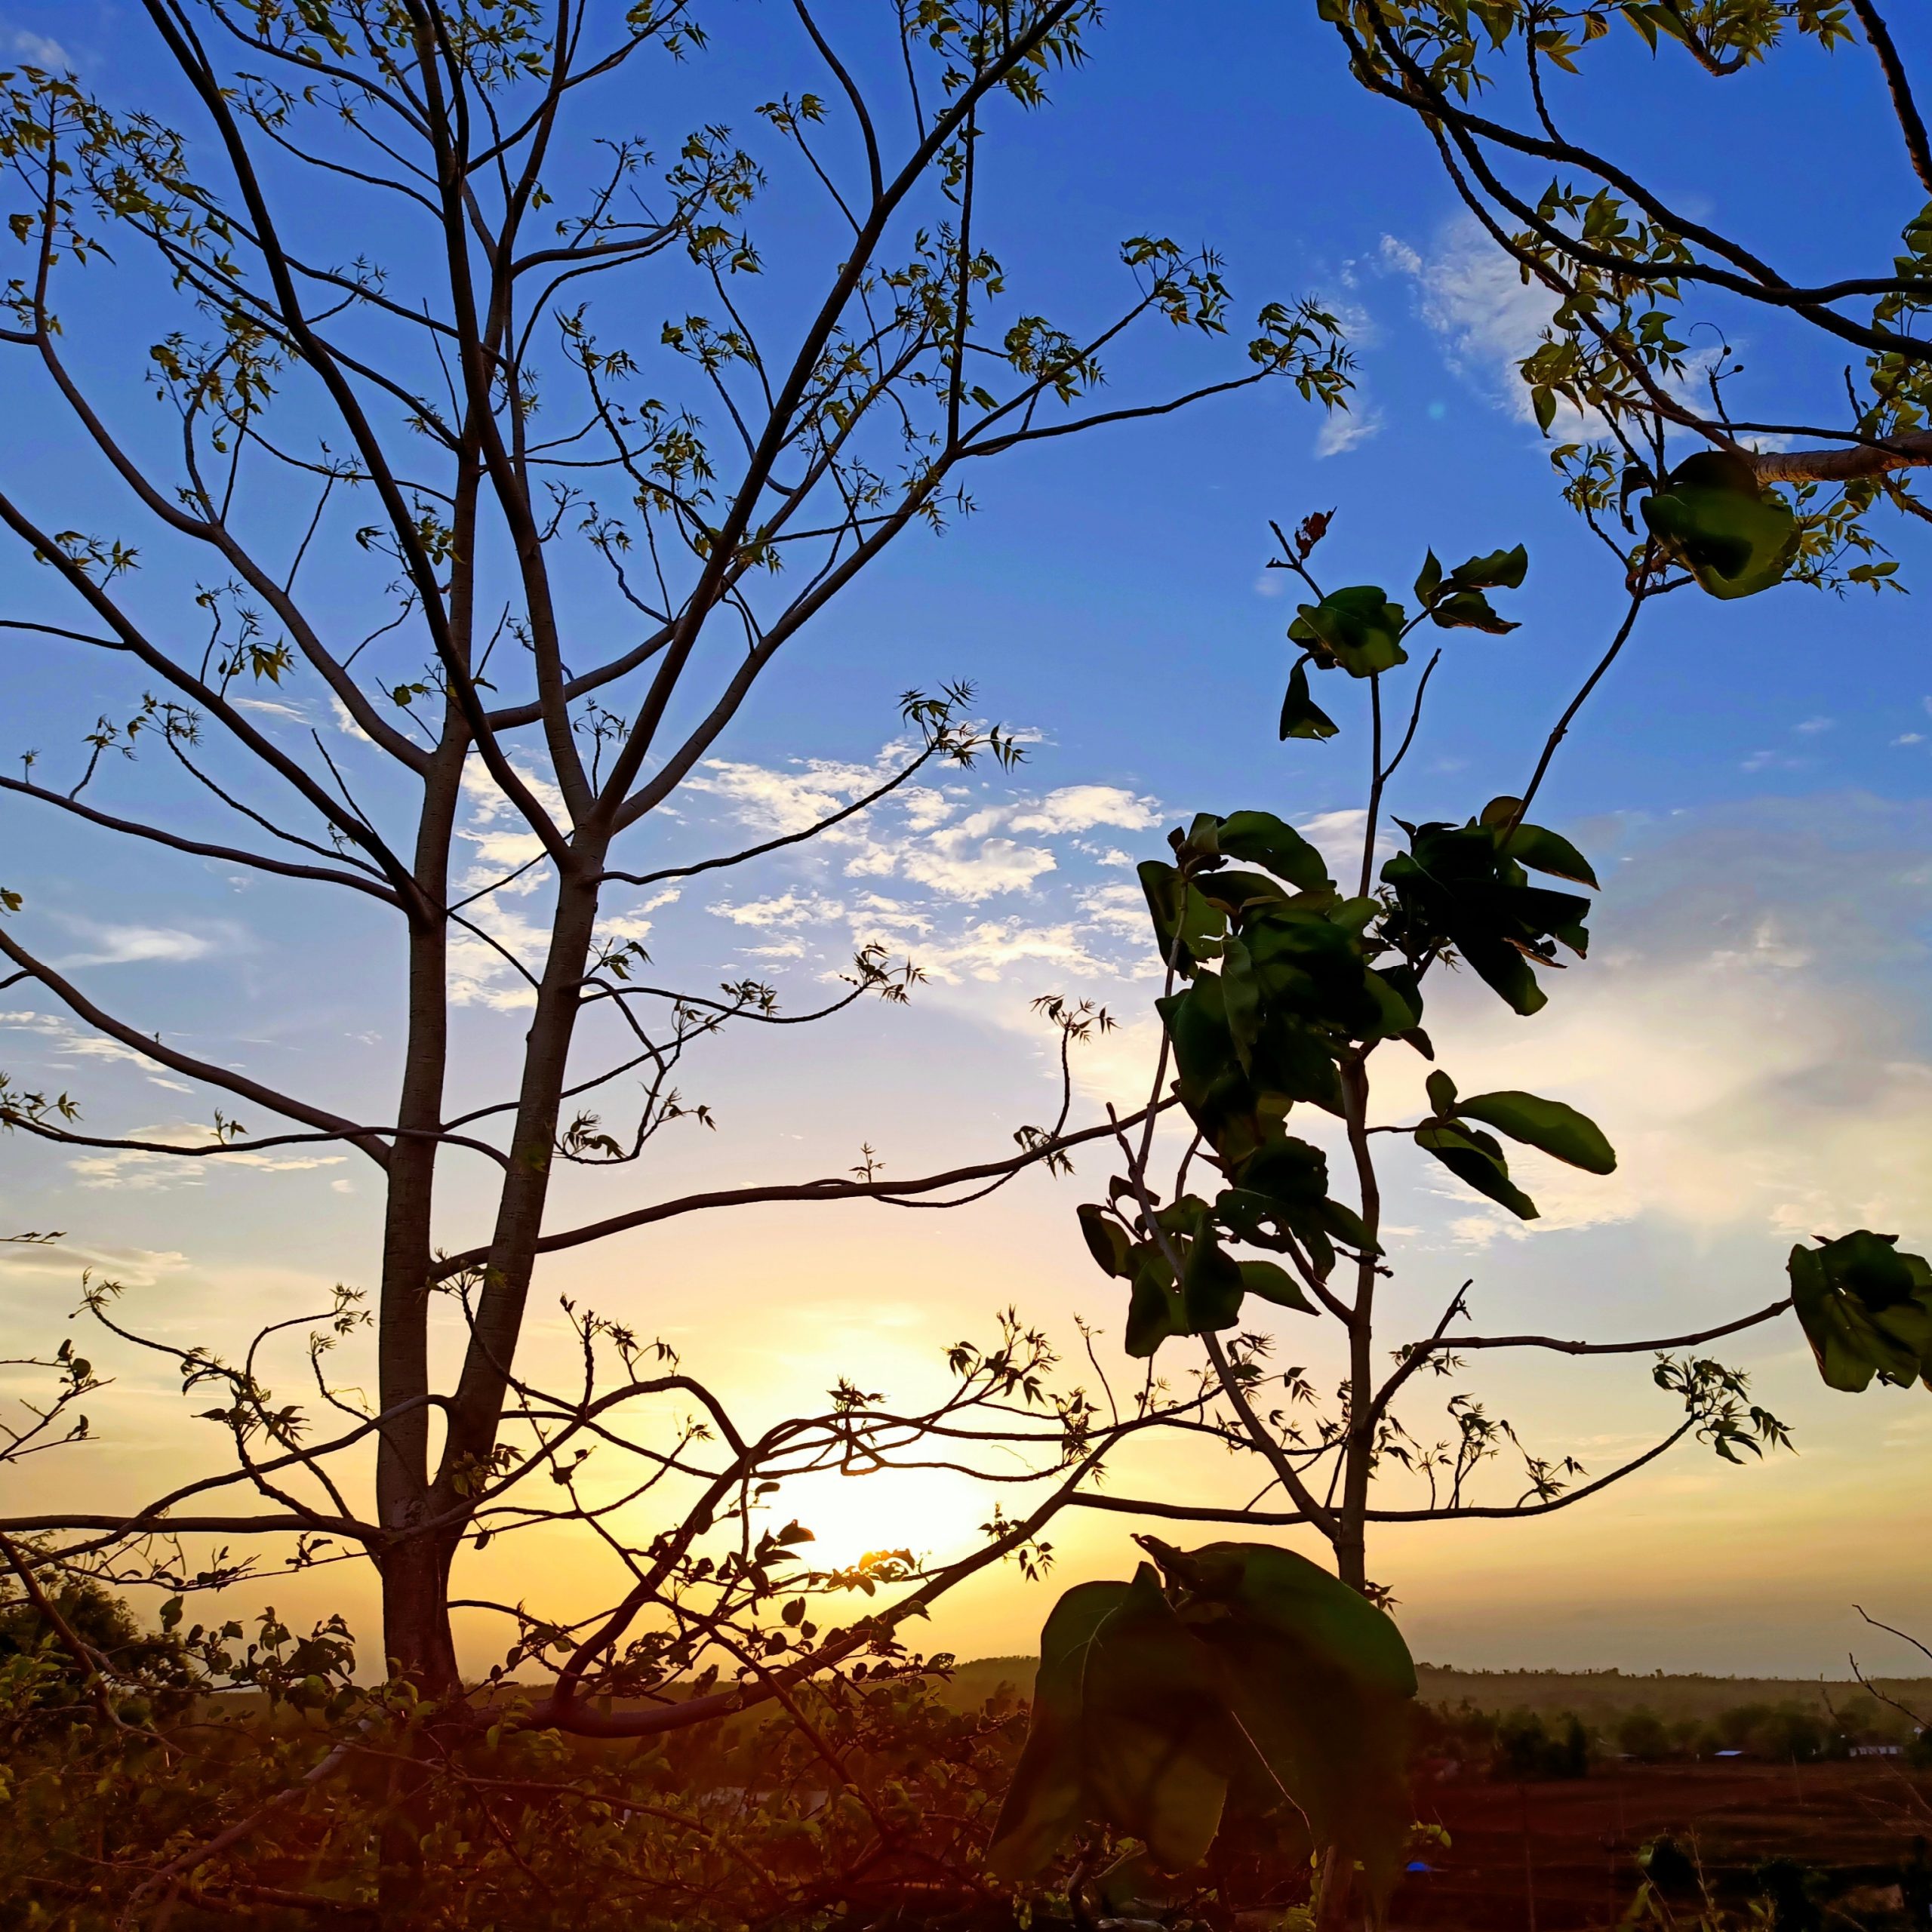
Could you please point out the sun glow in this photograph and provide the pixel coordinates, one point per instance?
(935, 1515)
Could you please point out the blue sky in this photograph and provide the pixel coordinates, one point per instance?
(1753, 782)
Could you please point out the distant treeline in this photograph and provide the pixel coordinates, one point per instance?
(1601, 1697)
(1533, 1723)
(1598, 1697)
(1522, 1743)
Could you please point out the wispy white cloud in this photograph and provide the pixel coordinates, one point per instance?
(1122, 908)
(1343, 429)
(115, 945)
(787, 800)
(64, 1040)
(1475, 298)
(991, 949)
(35, 50)
(345, 720)
(270, 707)
(960, 866)
(491, 966)
(785, 908)
(1081, 808)
(37, 1262)
(1733, 1040)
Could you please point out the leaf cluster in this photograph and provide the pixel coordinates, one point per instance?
(1235, 1681)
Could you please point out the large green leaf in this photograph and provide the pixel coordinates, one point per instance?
(1321, 1684)
(1160, 1745)
(1456, 602)
(1280, 1194)
(1253, 1681)
(1865, 1309)
(1473, 1157)
(1154, 1310)
(1733, 536)
(1106, 1239)
(1130, 1728)
(1236, 891)
(1470, 611)
(1241, 1001)
(1498, 570)
(1357, 630)
(1048, 1796)
(1301, 716)
(1211, 1286)
(1295, 1060)
(1548, 1125)
(1186, 927)
(1210, 1079)
(1275, 1284)
(1536, 846)
(1261, 839)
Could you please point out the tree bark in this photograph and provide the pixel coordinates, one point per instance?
(1358, 1455)
(477, 1408)
(415, 1572)
(415, 1629)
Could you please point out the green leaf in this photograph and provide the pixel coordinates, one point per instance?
(1357, 629)
(1320, 1683)
(1469, 610)
(1209, 1078)
(1106, 1240)
(1301, 716)
(1286, 1180)
(1211, 1286)
(1548, 1125)
(1442, 1095)
(1235, 891)
(1865, 1309)
(1453, 887)
(1536, 846)
(1480, 1166)
(1261, 839)
(1253, 1682)
(1275, 1284)
(1711, 515)
(1177, 905)
(1160, 1744)
(1204, 837)
(1543, 850)
(1241, 1000)
(1154, 1310)
(1499, 570)
(1048, 1795)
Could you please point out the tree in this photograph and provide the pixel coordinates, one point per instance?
(442, 435)
(1169, 1706)
(1640, 288)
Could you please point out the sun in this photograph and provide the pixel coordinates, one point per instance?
(934, 1513)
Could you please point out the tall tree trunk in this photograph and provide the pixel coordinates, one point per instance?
(477, 1409)
(416, 1641)
(415, 1630)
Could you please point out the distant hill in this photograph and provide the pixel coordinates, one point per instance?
(1597, 1696)
(972, 1684)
